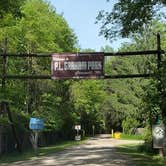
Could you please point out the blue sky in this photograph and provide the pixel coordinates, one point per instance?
(81, 16)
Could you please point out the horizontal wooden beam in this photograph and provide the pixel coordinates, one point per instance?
(44, 55)
(37, 55)
(148, 52)
(24, 77)
(128, 76)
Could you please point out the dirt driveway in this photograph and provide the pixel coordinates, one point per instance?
(99, 151)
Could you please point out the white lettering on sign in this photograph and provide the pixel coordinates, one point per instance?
(74, 65)
(78, 65)
(58, 65)
(86, 65)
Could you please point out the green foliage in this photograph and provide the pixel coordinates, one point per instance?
(4, 121)
(106, 104)
(135, 101)
(129, 125)
(148, 134)
(87, 97)
(87, 50)
(39, 29)
(155, 98)
(107, 48)
(10, 6)
(128, 17)
(124, 101)
(119, 101)
(141, 157)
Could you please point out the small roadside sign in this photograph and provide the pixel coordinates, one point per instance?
(158, 132)
(78, 137)
(77, 127)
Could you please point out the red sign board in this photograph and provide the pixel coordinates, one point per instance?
(84, 65)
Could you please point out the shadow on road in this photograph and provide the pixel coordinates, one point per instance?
(80, 156)
(99, 151)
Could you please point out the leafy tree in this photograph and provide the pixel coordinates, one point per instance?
(87, 50)
(129, 125)
(107, 48)
(128, 16)
(40, 29)
(51, 27)
(104, 103)
(154, 100)
(87, 97)
(10, 6)
(126, 98)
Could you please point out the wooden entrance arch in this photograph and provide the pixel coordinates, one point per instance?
(5, 76)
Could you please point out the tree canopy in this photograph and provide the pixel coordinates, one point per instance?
(39, 29)
(106, 104)
(10, 6)
(128, 16)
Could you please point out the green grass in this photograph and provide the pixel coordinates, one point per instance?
(141, 159)
(131, 137)
(29, 155)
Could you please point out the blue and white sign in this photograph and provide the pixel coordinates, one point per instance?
(36, 124)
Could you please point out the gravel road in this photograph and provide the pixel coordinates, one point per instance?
(98, 151)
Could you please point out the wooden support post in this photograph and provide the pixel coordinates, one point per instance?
(3, 74)
(13, 127)
(4, 58)
(4, 66)
(159, 53)
(93, 130)
(161, 150)
(4, 104)
(34, 140)
(29, 87)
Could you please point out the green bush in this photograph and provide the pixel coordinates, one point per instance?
(129, 125)
(148, 134)
(147, 147)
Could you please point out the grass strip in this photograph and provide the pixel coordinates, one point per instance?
(140, 158)
(131, 137)
(42, 151)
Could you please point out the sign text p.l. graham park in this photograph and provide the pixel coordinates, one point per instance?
(83, 65)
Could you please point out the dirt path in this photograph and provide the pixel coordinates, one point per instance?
(98, 151)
